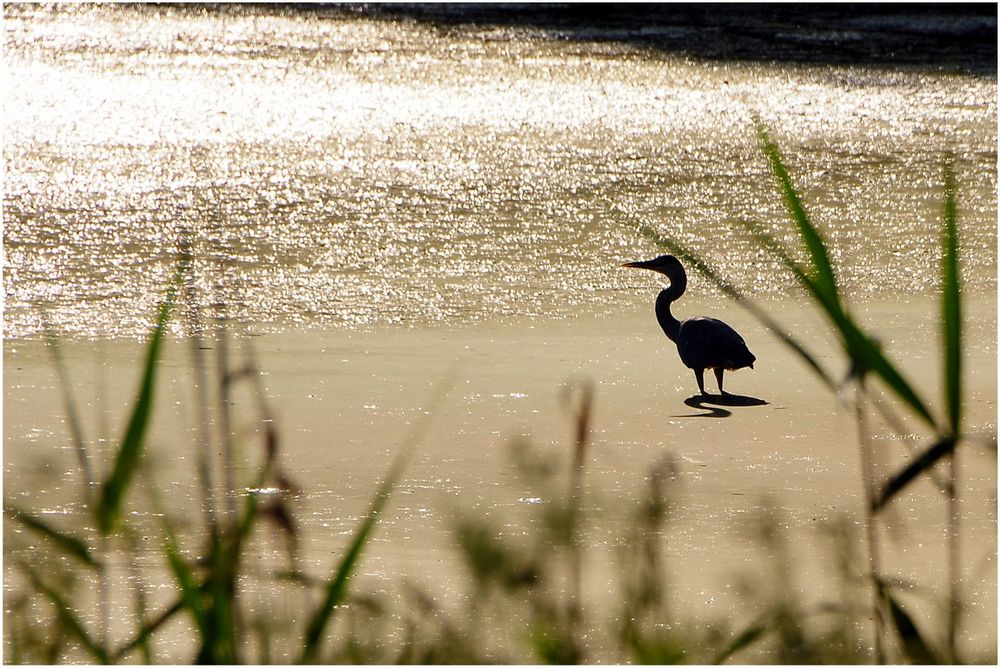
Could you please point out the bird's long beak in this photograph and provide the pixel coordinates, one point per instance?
(639, 265)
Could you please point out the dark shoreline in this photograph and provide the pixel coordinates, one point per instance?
(937, 37)
(949, 37)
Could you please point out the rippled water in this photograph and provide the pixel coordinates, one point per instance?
(343, 172)
(338, 171)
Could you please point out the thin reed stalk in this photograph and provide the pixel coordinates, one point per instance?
(951, 326)
(954, 554)
(871, 520)
(199, 366)
(70, 409)
(582, 436)
(223, 401)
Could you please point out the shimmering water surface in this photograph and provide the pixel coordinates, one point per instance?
(335, 171)
(393, 202)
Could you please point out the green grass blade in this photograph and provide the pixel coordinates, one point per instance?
(918, 651)
(141, 614)
(72, 414)
(812, 286)
(147, 630)
(951, 306)
(862, 350)
(866, 354)
(822, 267)
(776, 248)
(69, 618)
(219, 639)
(69, 544)
(903, 478)
(821, 283)
(188, 583)
(129, 452)
(191, 590)
(749, 636)
(336, 588)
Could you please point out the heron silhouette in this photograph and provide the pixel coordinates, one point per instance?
(703, 343)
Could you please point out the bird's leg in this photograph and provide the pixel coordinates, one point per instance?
(718, 377)
(699, 375)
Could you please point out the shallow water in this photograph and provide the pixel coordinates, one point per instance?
(390, 204)
(334, 172)
(346, 402)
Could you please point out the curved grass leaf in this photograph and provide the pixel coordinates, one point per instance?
(866, 354)
(188, 583)
(336, 588)
(823, 275)
(863, 351)
(208, 599)
(863, 347)
(147, 630)
(69, 405)
(127, 460)
(69, 544)
(776, 248)
(749, 636)
(918, 651)
(951, 305)
(821, 283)
(903, 478)
(141, 614)
(69, 618)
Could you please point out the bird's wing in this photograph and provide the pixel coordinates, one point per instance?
(707, 342)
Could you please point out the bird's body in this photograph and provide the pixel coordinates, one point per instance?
(702, 343)
(707, 343)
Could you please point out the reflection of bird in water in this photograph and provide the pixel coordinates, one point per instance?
(703, 343)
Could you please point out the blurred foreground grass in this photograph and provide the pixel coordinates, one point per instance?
(525, 599)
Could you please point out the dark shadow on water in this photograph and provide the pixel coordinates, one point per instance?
(711, 404)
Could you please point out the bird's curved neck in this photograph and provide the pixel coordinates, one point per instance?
(670, 324)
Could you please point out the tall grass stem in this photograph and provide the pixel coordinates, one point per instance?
(871, 520)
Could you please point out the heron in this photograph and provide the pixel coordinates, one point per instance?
(703, 343)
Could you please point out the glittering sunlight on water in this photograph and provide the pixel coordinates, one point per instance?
(338, 171)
